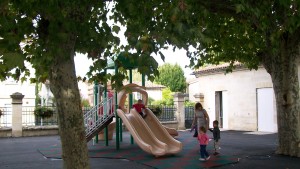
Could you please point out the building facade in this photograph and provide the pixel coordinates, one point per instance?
(9, 87)
(241, 100)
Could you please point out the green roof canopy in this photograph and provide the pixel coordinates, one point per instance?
(128, 61)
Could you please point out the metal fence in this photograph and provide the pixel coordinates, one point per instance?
(189, 113)
(86, 109)
(167, 113)
(189, 116)
(6, 118)
(29, 119)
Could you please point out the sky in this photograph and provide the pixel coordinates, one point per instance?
(179, 56)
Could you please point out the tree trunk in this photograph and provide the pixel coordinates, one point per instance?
(64, 86)
(283, 69)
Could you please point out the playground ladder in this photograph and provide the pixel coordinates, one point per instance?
(98, 118)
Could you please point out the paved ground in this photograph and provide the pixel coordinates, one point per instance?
(255, 149)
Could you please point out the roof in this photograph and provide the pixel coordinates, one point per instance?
(148, 84)
(128, 61)
(214, 69)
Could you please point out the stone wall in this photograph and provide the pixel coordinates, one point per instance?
(31, 131)
(40, 131)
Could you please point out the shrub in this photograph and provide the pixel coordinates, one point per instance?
(85, 103)
(156, 110)
(188, 103)
(158, 102)
(43, 112)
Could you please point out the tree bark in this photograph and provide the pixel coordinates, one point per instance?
(64, 86)
(283, 69)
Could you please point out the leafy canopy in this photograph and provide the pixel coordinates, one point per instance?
(172, 76)
(213, 31)
(33, 31)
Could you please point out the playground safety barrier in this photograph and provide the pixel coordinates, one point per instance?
(98, 117)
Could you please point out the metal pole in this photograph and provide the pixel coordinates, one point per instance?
(143, 80)
(116, 115)
(96, 102)
(130, 100)
(105, 110)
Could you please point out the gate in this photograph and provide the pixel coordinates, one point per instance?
(189, 116)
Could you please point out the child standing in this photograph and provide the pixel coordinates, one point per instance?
(203, 141)
(216, 134)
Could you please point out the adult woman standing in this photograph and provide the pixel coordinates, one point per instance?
(201, 117)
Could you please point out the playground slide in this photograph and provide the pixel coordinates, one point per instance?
(173, 132)
(142, 134)
(161, 132)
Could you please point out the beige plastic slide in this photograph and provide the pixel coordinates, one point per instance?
(142, 134)
(160, 131)
(173, 132)
(148, 133)
(129, 88)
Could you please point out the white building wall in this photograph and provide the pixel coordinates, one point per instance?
(7, 88)
(194, 88)
(155, 94)
(241, 95)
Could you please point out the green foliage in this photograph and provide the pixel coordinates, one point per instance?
(43, 112)
(159, 102)
(49, 29)
(167, 96)
(38, 100)
(217, 31)
(150, 100)
(156, 109)
(172, 76)
(85, 103)
(228, 31)
(136, 76)
(188, 103)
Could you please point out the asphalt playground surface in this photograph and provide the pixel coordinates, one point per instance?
(254, 149)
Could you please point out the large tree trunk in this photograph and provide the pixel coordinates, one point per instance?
(283, 69)
(63, 84)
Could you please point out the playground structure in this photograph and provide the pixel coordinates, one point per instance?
(111, 128)
(149, 134)
(95, 120)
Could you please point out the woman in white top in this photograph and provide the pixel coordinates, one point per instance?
(201, 117)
